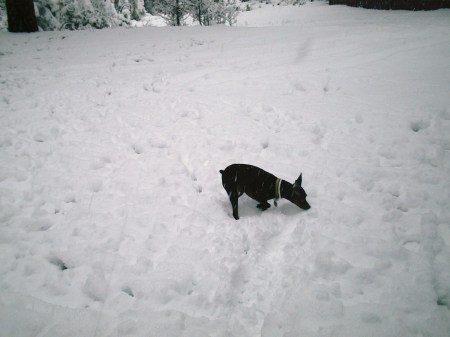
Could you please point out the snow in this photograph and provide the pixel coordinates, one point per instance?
(149, 20)
(113, 218)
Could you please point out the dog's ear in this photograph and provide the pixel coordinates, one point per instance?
(298, 182)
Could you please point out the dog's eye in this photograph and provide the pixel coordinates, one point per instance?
(300, 194)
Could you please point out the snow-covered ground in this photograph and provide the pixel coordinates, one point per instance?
(113, 219)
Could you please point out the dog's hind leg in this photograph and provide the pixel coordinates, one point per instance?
(234, 202)
(263, 205)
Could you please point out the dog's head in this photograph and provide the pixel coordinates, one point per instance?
(299, 194)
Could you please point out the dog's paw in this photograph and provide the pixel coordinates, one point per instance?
(263, 206)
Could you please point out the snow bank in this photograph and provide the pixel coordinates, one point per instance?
(113, 220)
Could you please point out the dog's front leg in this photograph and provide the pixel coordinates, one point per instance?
(234, 203)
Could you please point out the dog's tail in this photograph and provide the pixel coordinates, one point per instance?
(221, 171)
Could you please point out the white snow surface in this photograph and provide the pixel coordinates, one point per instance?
(113, 218)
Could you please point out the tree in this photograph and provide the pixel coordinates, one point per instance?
(130, 9)
(207, 12)
(172, 11)
(85, 14)
(148, 5)
(231, 11)
(201, 10)
(21, 16)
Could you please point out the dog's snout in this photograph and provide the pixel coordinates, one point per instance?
(305, 205)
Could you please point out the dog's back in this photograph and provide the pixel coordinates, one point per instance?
(245, 175)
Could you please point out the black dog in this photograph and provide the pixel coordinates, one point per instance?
(261, 186)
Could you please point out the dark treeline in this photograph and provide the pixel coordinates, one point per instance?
(414, 5)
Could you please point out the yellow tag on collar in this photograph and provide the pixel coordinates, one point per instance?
(277, 191)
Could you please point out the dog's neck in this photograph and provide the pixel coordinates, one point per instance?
(286, 190)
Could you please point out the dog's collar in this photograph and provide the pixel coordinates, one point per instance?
(277, 191)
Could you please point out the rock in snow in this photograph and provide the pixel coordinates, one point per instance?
(113, 220)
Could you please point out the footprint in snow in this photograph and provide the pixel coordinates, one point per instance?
(100, 163)
(56, 261)
(70, 198)
(96, 287)
(419, 125)
(127, 290)
(95, 185)
(297, 86)
(38, 225)
(137, 148)
(359, 119)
